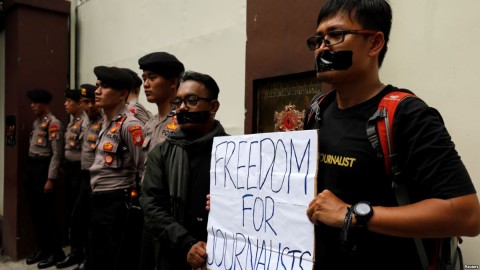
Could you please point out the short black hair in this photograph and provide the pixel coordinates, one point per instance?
(209, 83)
(370, 14)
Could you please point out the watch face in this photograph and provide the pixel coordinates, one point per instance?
(362, 208)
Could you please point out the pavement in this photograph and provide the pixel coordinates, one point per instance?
(7, 264)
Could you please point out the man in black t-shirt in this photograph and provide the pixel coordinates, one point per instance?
(350, 43)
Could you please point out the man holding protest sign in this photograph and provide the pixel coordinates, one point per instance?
(359, 222)
(177, 178)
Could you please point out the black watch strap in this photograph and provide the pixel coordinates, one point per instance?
(346, 226)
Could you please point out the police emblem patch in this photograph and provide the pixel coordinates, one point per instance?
(137, 137)
(172, 126)
(107, 146)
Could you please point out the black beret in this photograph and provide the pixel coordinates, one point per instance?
(40, 95)
(162, 63)
(137, 82)
(88, 90)
(73, 94)
(114, 77)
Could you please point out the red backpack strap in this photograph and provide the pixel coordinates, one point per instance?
(380, 134)
(380, 128)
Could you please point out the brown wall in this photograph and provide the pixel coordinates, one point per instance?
(277, 31)
(36, 56)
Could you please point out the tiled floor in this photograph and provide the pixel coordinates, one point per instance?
(7, 264)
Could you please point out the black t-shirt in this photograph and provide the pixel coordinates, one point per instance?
(350, 168)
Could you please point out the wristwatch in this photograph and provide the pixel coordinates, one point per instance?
(363, 211)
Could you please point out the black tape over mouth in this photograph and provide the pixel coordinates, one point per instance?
(192, 117)
(333, 60)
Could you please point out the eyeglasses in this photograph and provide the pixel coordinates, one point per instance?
(334, 37)
(190, 101)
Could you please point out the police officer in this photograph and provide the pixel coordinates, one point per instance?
(119, 160)
(71, 166)
(161, 76)
(91, 128)
(44, 157)
(135, 107)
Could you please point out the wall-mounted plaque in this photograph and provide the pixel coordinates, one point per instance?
(277, 97)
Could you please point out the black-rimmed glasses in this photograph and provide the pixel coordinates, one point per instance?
(190, 101)
(334, 37)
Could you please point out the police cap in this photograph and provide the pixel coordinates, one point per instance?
(114, 77)
(161, 63)
(73, 94)
(137, 82)
(40, 96)
(88, 90)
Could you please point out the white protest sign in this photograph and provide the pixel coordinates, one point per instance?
(260, 186)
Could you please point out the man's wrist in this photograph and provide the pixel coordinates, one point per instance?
(190, 245)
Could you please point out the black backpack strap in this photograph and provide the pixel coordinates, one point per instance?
(312, 119)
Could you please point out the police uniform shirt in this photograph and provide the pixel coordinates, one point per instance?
(157, 130)
(119, 157)
(73, 138)
(91, 129)
(139, 111)
(46, 141)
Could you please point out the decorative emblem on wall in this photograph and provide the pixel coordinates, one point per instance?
(289, 119)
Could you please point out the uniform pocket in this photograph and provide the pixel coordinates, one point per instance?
(40, 138)
(111, 154)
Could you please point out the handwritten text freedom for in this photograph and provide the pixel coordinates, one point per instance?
(260, 186)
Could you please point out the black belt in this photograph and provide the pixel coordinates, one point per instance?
(111, 195)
